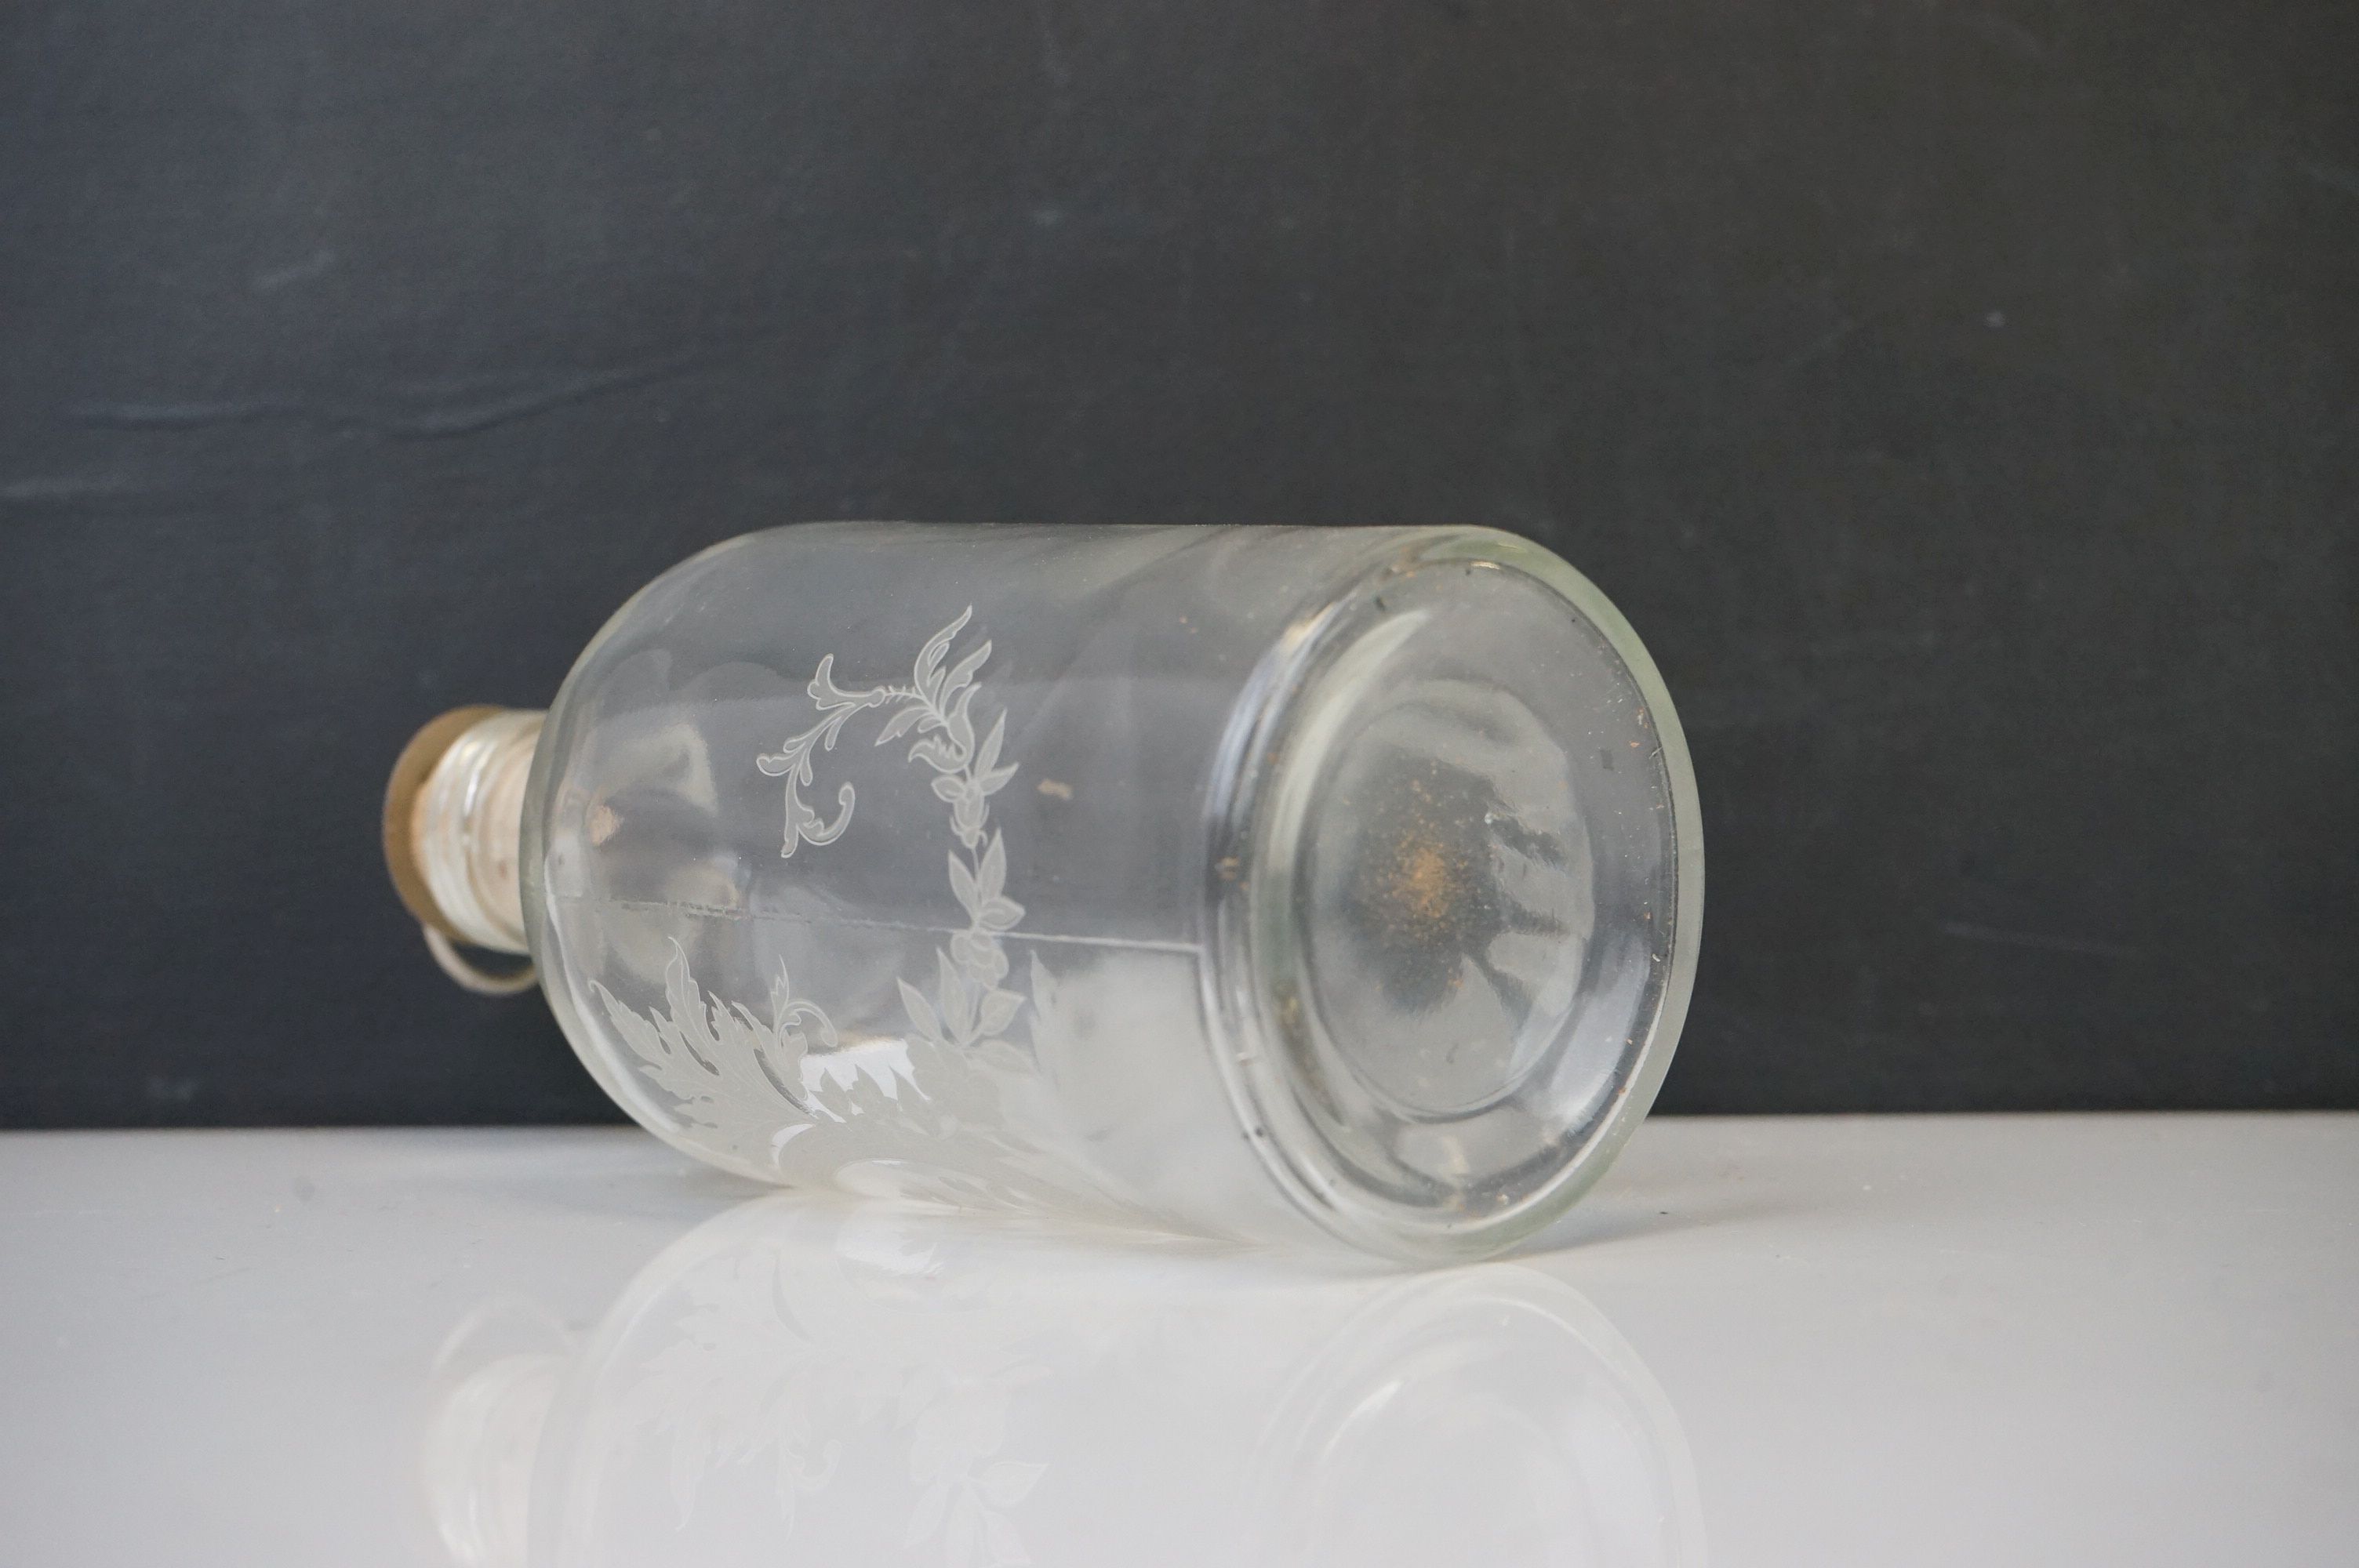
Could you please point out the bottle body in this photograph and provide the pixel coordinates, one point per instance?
(1262, 882)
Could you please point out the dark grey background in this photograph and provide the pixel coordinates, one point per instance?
(1962, 400)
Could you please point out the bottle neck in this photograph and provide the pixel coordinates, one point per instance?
(454, 820)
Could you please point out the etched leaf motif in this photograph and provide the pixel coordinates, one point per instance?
(936, 754)
(929, 1108)
(957, 1005)
(987, 757)
(964, 884)
(960, 725)
(998, 1010)
(991, 875)
(922, 1011)
(963, 671)
(929, 657)
(723, 1069)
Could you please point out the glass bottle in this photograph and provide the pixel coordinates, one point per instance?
(1262, 882)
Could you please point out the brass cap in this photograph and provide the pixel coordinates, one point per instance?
(410, 772)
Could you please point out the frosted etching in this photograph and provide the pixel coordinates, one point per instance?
(761, 1081)
(936, 706)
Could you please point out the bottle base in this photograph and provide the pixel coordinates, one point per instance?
(1456, 897)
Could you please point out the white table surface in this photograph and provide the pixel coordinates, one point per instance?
(2017, 1340)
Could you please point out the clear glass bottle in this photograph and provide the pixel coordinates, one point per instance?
(1263, 882)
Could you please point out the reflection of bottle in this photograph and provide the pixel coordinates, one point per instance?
(793, 1382)
(1239, 876)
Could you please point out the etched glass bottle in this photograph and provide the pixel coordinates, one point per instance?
(1265, 882)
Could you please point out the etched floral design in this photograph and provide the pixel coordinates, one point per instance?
(724, 1068)
(937, 706)
(930, 1096)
